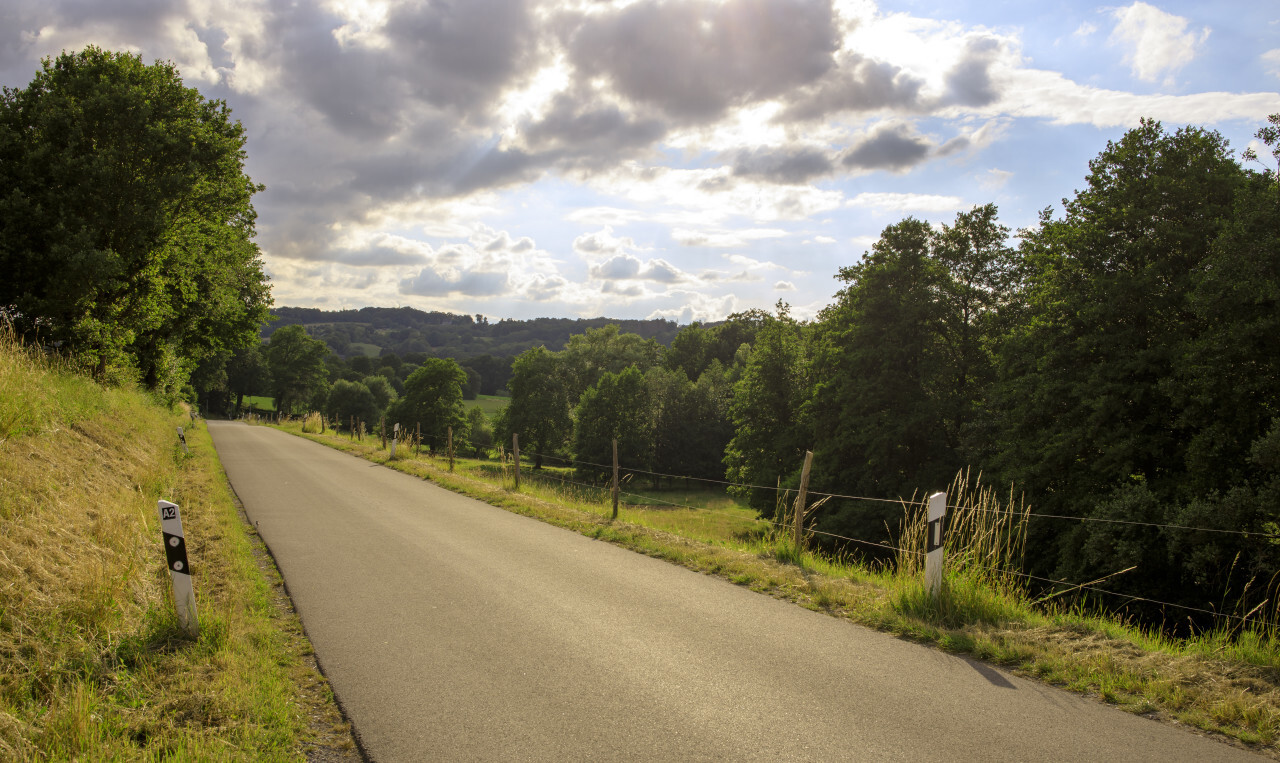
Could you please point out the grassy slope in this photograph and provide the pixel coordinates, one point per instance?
(92, 663)
(1224, 683)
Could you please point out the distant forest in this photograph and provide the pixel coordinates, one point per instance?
(405, 331)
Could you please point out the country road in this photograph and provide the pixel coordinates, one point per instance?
(452, 630)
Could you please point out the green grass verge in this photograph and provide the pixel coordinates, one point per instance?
(490, 404)
(259, 402)
(93, 665)
(1222, 683)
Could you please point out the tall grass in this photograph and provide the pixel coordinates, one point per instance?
(93, 665)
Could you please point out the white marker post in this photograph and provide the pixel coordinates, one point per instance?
(936, 534)
(183, 439)
(395, 435)
(175, 552)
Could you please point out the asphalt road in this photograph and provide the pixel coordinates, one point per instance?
(452, 630)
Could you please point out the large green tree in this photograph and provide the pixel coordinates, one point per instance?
(126, 228)
(615, 407)
(297, 367)
(433, 400)
(540, 405)
(770, 431)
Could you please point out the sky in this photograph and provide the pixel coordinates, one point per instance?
(681, 159)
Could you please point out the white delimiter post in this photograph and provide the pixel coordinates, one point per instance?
(936, 534)
(175, 552)
(395, 435)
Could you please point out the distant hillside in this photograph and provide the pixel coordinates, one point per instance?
(375, 331)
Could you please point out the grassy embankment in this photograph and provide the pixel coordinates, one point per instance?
(1226, 682)
(93, 665)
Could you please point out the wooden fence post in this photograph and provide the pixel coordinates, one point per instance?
(353, 428)
(800, 500)
(615, 478)
(417, 438)
(515, 454)
(936, 535)
(450, 449)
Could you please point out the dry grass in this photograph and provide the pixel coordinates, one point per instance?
(92, 663)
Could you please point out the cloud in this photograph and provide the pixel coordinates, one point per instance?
(721, 239)
(784, 286)
(693, 60)
(1156, 42)
(784, 164)
(431, 283)
(602, 243)
(894, 147)
(907, 202)
(969, 83)
(995, 179)
(857, 84)
(1271, 62)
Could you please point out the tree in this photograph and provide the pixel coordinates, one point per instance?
(125, 218)
(383, 393)
(349, 400)
(479, 431)
(248, 373)
(1085, 377)
(297, 367)
(770, 437)
(1114, 385)
(540, 403)
(433, 399)
(616, 407)
(590, 355)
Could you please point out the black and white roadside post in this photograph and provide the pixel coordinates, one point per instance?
(175, 552)
(936, 533)
(395, 435)
(183, 439)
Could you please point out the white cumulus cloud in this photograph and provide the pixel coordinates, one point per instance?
(1157, 43)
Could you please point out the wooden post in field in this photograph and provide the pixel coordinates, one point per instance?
(175, 552)
(382, 431)
(353, 428)
(451, 449)
(417, 438)
(800, 499)
(936, 536)
(615, 478)
(515, 455)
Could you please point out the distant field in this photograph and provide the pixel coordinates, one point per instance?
(490, 404)
(261, 403)
(367, 350)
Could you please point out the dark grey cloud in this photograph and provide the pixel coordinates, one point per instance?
(857, 84)
(577, 131)
(969, 81)
(693, 60)
(889, 148)
(450, 56)
(462, 53)
(786, 164)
